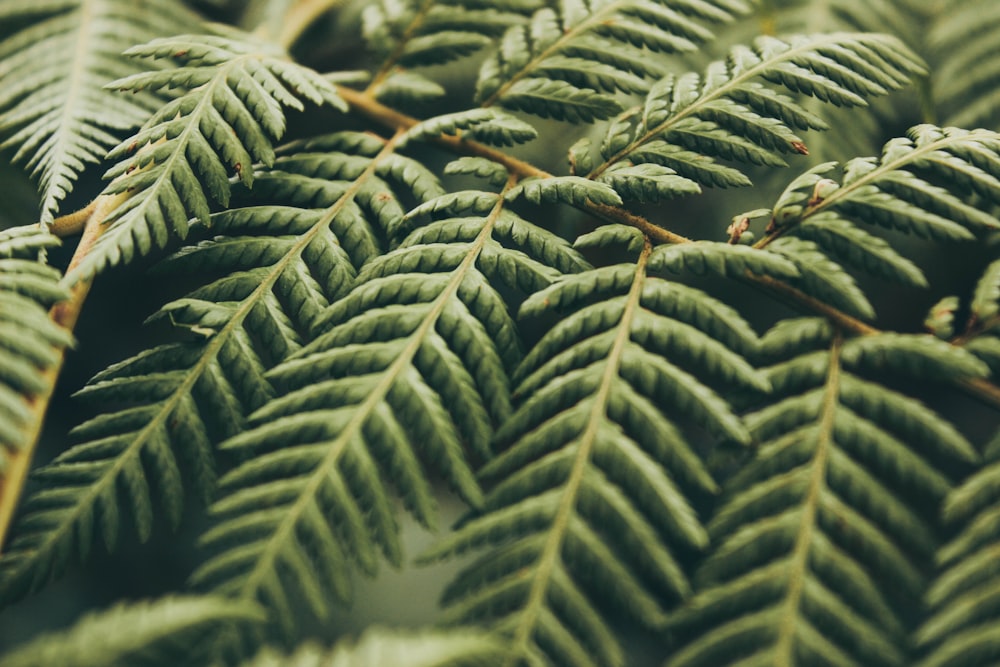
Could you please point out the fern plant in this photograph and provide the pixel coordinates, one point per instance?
(706, 387)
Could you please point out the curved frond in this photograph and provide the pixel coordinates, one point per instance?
(226, 121)
(818, 540)
(30, 342)
(920, 185)
(378, 648)
(569, 63)
(406, 377)
(690, 121)
(964, 621)
(54, 110)
(282, 264)
(170, 630)
(416, 33)
(590, 491)
(967, 80)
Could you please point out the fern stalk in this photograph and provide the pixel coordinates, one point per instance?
(784, 652)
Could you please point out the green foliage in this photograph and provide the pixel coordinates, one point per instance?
(397, 649)
(816, 541)
(226, 120)
(57, 55)
(170, 630)
(484, 266)
(30, 343)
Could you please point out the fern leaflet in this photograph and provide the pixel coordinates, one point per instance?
(30, 342)
(54, 110)
(171, 630)
(228, 117)
(687, 122)
(816, 541)
(568, 63)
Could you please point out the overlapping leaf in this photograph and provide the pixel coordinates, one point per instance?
(416, 33)
(570, 62)
(964, 601)
(54, 110)
(819, 540)
(170, 630)
(407, 377)
(225, 122)
(919, 185)
(283, 260)
(688, 122)
(966, 77)
(590, 497)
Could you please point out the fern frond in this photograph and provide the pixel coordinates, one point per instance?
(170, 630)
(378, 647)
(225, 121)
(688, 122)
(590, 497)
(568, 63)
(30, 342)
(407, 375)
(817, 541)
(416, 33)
(919, 185)
(54, 112)
(283, 264)
(964, 601)
(965, 81)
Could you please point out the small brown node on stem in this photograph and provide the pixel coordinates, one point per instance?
(800, 148)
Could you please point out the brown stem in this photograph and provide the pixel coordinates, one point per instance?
(72, 223)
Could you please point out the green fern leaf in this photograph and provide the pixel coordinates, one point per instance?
(225, 122)
(648, 182)
(963, 621)
(568, 63)
(722, 259)
(965, 81)
(590, 497)
(284, 263)
(398, 649)
(816, 542)
(407, 371)
(417, 33)
(917, 186)
(488, 125)
(985, 304)
(727, 113)
(572, 190)
(30, 342)
(54, 112)
(170, 630)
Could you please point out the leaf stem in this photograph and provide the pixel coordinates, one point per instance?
(72, 223)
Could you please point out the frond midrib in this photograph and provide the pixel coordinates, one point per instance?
(553, 48)
(722, 91)
(570, 490)
(845, 191)
(799, 562)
